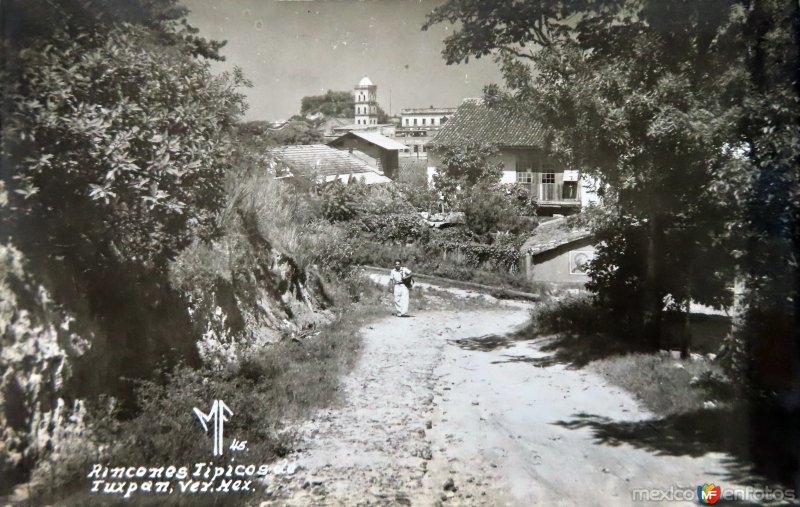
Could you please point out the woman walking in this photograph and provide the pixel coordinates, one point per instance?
(399, 283)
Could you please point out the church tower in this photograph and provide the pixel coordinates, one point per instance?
(366, 98)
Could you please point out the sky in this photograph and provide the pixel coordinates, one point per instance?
(293, 48)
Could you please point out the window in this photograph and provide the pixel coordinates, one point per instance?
(416, 148)
(407, 122)
(415, 122)
(524, 177)
(548, 177)
(423, 121)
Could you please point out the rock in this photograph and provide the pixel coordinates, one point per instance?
(449, 485)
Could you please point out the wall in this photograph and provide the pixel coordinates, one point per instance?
(554, 265)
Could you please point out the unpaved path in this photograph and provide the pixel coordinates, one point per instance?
(422, 408)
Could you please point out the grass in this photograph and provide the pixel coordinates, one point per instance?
(268, 393)
(664, 385)
(581, 334)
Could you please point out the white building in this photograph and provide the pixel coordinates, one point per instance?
(366, 102)
(419, 125)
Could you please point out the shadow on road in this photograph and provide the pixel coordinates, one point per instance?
(762, 442)
(574, 350)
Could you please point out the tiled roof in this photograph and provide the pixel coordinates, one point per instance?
(499, 125)
(553, 234)
(319, 160)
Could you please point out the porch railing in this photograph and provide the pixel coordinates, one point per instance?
(547, 192)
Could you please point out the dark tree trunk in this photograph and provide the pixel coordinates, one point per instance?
(653, 304)
(686, 332)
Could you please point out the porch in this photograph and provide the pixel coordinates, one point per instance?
(550, 189)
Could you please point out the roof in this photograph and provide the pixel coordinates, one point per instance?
(319, 160)
(374, 138)
(429, 110)
(365, 81)
(499, 125)
(553, 234)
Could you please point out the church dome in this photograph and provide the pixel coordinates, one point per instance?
(365, 81)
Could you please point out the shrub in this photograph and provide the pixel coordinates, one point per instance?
(385, 200)
(577, 314)
(277, 385)
(488, 208)
(342, 201)
(396, 228)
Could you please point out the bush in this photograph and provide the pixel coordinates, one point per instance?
(342, 201)
(488, 209)
(396, 228)
(276, 386)
(385, 200)
(577, 314)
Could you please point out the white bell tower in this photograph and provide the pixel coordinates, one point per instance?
(366, 99)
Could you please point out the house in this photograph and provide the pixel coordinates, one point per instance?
(320, 163)
(557, 253)
(377, 150)
(556, 188)
(419, 125)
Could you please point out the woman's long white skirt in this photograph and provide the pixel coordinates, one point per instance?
(400, 299)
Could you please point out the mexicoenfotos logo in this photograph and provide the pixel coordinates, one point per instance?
(708, 494)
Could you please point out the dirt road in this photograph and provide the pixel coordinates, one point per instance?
(439, 410)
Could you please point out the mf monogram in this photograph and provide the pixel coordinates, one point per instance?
(217, 414)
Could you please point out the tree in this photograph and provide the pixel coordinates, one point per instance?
(767, 345)
(629, 98)
(260, 134)
(464, 166)
(339, 104)
(683, 111)
(115, 141)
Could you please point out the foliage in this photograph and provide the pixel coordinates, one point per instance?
(648, 97)
(578, 314)
(296, 224)
(488, 209)
(341, 201)
(261, 134)
(462, 167)
(386, 200)
(117, 133)
(634, 101)
(329, 247)
(335, 104)
(280, 384)
(413, 180)
(396, 228)
(332, 103)
(114, 147)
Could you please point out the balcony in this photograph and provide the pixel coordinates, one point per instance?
(566, 194)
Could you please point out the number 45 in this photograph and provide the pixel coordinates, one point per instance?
(238, 445)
